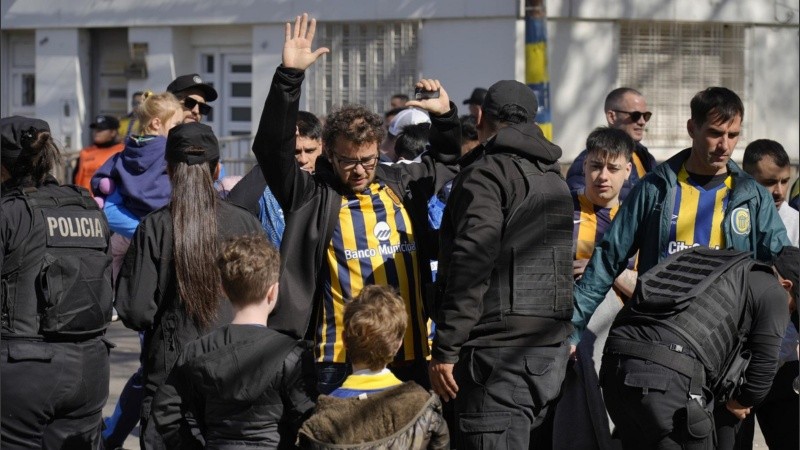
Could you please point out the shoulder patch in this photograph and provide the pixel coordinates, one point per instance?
(740, 221)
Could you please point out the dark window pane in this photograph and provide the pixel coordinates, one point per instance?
(118, 93)
(240, 133)
(241, 89)
(209, 61)
(241, 68)
(240, 114)
(28, 89)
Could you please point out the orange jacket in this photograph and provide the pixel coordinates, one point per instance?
(91, 159)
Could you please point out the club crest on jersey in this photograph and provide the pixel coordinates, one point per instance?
(393, 196)
(382, 231)
(740, 221)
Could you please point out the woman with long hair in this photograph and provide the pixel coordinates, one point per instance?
(56, 298)
(168, 286)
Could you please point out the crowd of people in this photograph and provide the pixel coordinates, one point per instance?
(413, 279)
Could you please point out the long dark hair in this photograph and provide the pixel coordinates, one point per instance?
(194, 229)
(39, 156)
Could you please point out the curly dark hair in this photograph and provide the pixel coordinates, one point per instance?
(354, 123)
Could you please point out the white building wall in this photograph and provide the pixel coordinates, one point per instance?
(62, 83)
(582, 61)
(774, 91)
(267, 47)
(450, 52)
(465, 43)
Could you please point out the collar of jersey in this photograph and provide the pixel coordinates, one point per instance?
(371, 382)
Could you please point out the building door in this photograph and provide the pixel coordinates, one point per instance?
(231, 74)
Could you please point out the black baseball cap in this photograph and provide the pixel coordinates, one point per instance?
(192, 81)
(192, 134)
(510, 92)
(103, 122)
(478, 94)
(12, 132)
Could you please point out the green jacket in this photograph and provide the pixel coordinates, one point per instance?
(751, 223)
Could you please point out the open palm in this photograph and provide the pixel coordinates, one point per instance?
(297, 52)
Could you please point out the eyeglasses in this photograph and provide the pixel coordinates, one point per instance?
(189, 103)
(636, 115)
(350, 164)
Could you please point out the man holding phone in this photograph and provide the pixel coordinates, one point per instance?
(353, 222)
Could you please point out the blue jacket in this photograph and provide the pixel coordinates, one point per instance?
(140, 174)
(642, 224)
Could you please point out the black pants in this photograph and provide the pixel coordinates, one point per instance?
(648, 404)
(53, 393)
(778, 415)
(504, 394)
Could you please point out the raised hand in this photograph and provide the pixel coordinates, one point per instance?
(439, 105)
(297, 52)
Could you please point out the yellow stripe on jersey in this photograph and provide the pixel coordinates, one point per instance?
(720, 202)
(637, 164)
(373, 243)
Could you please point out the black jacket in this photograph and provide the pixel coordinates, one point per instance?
(483, 243)
(242, 386)
(147, 297)
(311, 202)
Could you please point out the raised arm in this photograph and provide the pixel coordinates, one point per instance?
(274, 143)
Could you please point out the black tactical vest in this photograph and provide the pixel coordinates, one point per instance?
(533, 273)
(57, 284)
(700, 295)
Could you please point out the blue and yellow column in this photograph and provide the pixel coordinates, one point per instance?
(536, 74)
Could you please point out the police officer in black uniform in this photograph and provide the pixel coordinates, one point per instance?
(701, 333)
(505, 276)
(56, 298)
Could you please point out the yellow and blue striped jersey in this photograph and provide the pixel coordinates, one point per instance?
(697, 214)
(590, 223)
(373, 243)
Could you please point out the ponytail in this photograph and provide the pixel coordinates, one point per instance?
(194, 229)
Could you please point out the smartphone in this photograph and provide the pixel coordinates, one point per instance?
(421, 94)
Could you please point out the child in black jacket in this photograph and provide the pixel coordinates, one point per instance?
(243, 385)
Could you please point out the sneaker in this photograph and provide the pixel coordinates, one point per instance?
(114, 315)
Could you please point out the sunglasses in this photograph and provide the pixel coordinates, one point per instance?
(636, 115)
(189, 103)
(350, 164)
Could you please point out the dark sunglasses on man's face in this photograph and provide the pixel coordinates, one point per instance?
(189, 103)
(636, 115)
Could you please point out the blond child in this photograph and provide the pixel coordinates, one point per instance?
(373, 406)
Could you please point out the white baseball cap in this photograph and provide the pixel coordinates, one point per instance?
(406, 117)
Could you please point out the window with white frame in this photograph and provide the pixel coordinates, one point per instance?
(22, 72)
(368, 63)
(669, 62)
